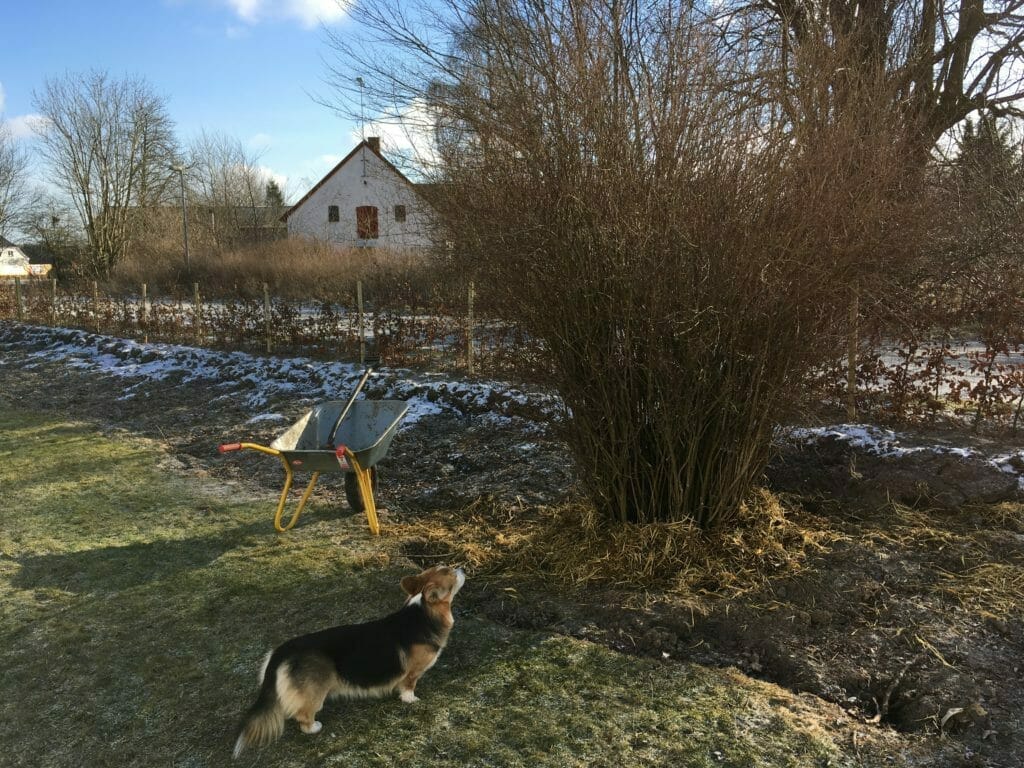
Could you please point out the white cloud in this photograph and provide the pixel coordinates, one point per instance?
(312, 12)
(260, 141)
(271, 175)
(329, 161)
(25, 126)
(308, 13)
(247, 10)
(236, 32)
(409, 136)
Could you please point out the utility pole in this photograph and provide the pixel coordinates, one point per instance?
(180, 169)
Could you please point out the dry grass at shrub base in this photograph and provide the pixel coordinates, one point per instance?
(573, 546)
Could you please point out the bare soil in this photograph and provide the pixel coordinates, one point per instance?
(911, 618)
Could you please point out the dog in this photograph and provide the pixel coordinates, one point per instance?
(354, 660)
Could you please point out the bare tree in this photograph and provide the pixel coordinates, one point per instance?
(683, 259)
(939, 60)
(107, 143)
(229, 189)
(16, 198)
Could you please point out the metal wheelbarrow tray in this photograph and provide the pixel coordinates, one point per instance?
(335, 436)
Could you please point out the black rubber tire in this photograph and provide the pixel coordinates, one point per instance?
(352, 494)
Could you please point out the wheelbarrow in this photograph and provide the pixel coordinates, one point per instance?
(335, 436)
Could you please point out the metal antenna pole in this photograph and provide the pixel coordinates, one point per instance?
(362, 122)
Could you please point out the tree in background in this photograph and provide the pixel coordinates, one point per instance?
(54, 235)
(273, 196)
(939, 60)
(275, 207)
(108, 144)
(684, 253)
(229, 190)
(979, 239)
(16, 199)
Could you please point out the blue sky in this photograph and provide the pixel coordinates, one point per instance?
(246, 68)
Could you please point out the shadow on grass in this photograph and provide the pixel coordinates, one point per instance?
(117, 568)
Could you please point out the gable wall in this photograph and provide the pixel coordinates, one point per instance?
(350, 188)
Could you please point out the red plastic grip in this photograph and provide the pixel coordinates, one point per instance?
(225, 447)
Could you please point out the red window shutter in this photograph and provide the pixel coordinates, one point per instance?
(367, 226)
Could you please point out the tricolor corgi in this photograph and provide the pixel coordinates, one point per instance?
(357, 660)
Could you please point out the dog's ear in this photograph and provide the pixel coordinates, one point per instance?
(435, 593)
(412, 585)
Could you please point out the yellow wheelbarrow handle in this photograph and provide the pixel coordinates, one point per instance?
(288, 477)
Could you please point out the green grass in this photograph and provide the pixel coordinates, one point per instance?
(137, 605)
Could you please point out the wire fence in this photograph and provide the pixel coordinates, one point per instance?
(441, 337)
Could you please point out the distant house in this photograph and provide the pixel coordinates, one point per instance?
(15, 263)
(364, 201)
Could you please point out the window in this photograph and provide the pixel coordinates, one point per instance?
(366, 222)
(332, 213)
(399, 214)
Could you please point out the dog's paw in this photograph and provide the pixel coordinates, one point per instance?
(316, 727)
(409, 697)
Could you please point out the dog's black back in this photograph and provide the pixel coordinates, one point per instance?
(362, 654)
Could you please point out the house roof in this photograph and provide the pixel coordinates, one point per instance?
(364, 143)
(5, 243)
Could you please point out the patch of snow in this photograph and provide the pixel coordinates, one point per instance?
(887, 443)
(867, 437)
(266, 417)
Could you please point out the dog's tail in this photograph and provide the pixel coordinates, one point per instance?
(264, 722)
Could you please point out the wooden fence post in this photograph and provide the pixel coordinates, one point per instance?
(144, 314)
(53, 302)
(18, 302)
(197, 313)
(851, 358)
(362, 329)
(469, 329)
(266, 314)
(95, 306)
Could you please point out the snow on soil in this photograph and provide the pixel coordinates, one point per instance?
(257, 381)
(887, 443)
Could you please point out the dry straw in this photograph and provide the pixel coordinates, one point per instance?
(572, 545)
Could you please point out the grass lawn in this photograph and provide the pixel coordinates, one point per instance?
(137, 604)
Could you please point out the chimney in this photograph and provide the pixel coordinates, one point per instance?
(374, 142)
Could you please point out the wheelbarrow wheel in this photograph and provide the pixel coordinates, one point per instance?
(352, 494)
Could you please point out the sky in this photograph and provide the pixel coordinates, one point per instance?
(250, 69)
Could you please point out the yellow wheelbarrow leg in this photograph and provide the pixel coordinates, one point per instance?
(288, 476)
(366, 491)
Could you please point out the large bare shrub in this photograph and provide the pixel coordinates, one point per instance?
(685, 254)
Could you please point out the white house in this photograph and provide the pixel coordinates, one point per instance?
(364, 201)
(14, 262)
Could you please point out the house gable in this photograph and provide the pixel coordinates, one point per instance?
(363, 188)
